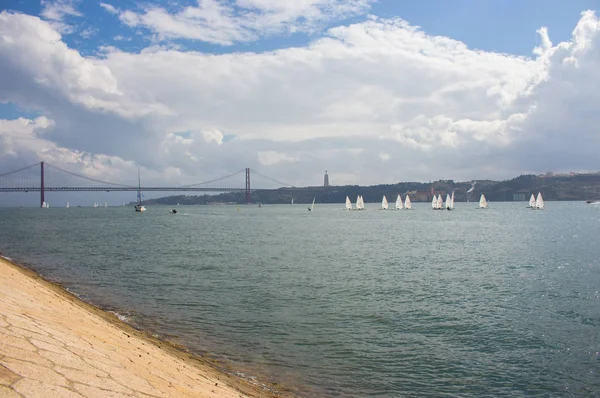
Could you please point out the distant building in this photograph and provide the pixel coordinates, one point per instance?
(421, 196)
(326, 180)
(520, 197)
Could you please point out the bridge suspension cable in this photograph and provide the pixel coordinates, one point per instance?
(214, 180)
(21, 169)
(285, 184)
(89, 178)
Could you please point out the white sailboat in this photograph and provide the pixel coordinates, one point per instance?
(139, 207)
(360, 203)
(44, 205)
(399, 202)
(407, 203)
(292, 201)
(448, 204)
(434, 202)
(313, 205)
(67, 205)
(532, 201)
(452, 201)
(483, 204)
(348, 204)
(539, 202)
(384, 203)
(440, 202)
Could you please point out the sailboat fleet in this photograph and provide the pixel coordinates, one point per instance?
(539, 202)
(437, 202)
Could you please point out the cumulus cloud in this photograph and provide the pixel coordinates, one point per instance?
(361, 94)
(225, 23)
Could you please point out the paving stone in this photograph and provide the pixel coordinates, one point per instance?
(33, 371)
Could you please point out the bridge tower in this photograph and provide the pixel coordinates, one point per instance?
(248, 198)
(42, 198)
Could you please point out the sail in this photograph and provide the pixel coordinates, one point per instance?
(532, 201)
(384, 203)
(313, 204)
(68, 205)
(539, 202)
(483, 204)
(348, 204)
(399, 202)
(448, 204)
(452, 200)
(407, 203)
(360, 204)
(440, 202)
(434, 202)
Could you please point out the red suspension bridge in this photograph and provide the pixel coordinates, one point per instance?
(43, 177)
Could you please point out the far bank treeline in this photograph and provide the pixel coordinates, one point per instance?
(575, 187)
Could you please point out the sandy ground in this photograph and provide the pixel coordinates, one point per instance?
(54, 345)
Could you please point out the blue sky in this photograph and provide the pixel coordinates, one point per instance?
(193, 90)
(503, 25)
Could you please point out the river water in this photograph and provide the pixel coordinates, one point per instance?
(496, 302)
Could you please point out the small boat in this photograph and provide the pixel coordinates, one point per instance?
(292, 201)
(483, 204)
(45, 205)
(448, 204)
(312, 206)
(360, 204)
(539, 202)
(348, 204)
(139, 207)
(532, 201)
(384, 203)
(399, 205)
(67, 206)
(407, 203)
(173, 211)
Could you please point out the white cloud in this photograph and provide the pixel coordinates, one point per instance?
(109, 8)
(225, 23)
(376, 88)
(213, 135)
(384, 156)
(55, 11)
(270, 158)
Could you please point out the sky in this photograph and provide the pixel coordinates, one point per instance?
(372, 91)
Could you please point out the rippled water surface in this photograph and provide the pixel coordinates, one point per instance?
(497, 302)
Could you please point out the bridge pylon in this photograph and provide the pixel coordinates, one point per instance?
(42, 198)
(248, 197)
